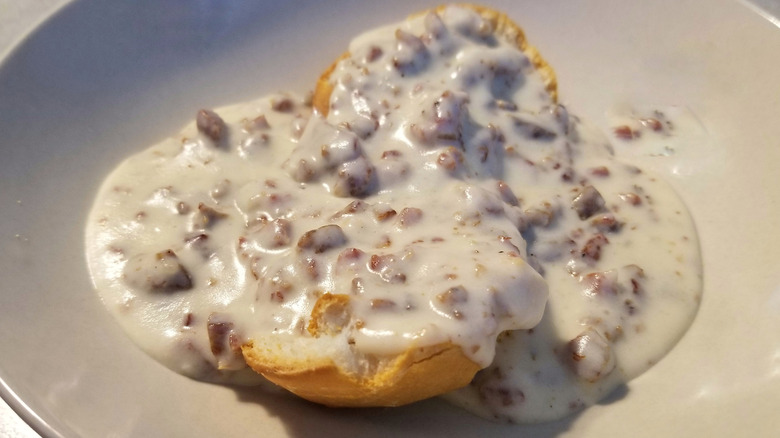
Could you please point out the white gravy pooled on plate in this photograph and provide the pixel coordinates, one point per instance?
(446, 192)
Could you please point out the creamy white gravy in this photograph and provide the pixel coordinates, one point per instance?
(445, 192)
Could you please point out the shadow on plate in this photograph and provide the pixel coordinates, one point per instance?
(427, 418)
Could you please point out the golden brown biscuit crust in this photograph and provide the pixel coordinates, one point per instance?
(415, 374)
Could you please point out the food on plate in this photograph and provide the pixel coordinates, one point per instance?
(432, 222)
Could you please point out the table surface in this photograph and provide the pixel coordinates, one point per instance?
(16, 19)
